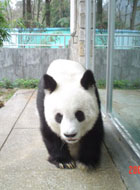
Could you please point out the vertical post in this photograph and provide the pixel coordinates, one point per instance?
(110, 49)
(88, 33)
(64, 41)
(16, 40)
(94, 33)
(73, 17)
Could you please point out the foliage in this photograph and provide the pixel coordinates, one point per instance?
(19, 83)
(18, 23)
(5, 95)
(121, 84)
(101, 83)
(23, 83)
(64, 22)
(60, 13)
(3, 25)
(9, 95)
(5, 83)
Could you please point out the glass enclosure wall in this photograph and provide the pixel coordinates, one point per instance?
(126, 78)
(125, 67)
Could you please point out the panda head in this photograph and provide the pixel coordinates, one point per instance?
(71, 110)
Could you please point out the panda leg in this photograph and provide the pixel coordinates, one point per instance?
(90, 151)
(57, 149)
(63, 165)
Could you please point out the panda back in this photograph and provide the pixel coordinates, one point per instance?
(65, 71)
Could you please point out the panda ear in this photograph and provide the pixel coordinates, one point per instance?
(87, 79)
(49, 83)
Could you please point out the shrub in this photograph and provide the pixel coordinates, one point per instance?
(3, 25)
(19, 83)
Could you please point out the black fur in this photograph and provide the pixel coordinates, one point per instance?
(87, 79)
(58, 117)
(49, 83)
(90, 148)
(90, 144)
(80, 116)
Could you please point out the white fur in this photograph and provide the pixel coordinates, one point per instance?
(69, 97)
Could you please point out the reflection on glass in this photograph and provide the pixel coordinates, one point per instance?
(126, 69)
(126, 92)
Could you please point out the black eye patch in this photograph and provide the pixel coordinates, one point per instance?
(80, 116)
(58, 117)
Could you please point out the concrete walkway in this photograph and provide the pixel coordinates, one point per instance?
(23, 157)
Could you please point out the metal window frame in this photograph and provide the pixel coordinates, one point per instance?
(88, 34)
(110, 51)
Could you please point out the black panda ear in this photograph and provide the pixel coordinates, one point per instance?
(49, 83)
(87, 79)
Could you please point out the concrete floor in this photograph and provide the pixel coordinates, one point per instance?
(23, 157)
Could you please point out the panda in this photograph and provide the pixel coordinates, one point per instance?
(70, 118)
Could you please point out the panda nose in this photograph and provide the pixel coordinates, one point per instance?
(70, 135)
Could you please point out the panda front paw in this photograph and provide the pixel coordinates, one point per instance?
(63, 165)
(69, 165)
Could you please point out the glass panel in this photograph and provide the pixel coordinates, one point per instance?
(126, 70)
(100, 74)
(101, 51)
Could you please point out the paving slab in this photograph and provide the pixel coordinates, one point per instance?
(24, 165)
(30, 117)
(25, 150)
(10, 113)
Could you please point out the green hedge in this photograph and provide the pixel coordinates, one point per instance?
(33, 83)
(19, 83)
(121, 84)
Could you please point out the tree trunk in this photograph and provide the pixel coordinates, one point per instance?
(126, 12)
(47, 12)
(38, 10)
(99, 11)
(29, 11)
(33, 9)
(23, 9)
(61, 9)
(133, 15)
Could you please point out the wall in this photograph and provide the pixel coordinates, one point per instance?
(126, 65)
(28, 63)
(33, 63)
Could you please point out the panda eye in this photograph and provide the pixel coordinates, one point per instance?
(80, 116)
(58, 117)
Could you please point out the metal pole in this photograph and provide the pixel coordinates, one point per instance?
(94, 33)
(110, 50)
(88, 33)
(64, 41)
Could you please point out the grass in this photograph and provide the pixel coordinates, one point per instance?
(120, 84)
(9, 95)
(8, 88)
(6, 94)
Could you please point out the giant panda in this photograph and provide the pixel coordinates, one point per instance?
(69, 109)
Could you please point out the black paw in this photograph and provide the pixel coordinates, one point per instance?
(63, 165)
(69, 165)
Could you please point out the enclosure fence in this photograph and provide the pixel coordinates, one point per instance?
(34, 40)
